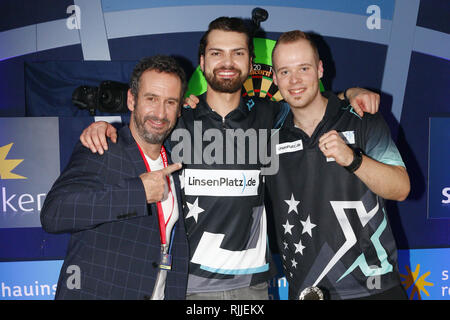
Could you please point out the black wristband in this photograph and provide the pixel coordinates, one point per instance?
(357, 160)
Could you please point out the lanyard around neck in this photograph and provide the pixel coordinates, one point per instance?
(162, 223)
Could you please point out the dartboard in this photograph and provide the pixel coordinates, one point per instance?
(260, 83)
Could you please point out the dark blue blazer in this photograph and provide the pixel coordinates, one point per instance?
(115, 241)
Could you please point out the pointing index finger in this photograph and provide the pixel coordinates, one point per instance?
(171, 168)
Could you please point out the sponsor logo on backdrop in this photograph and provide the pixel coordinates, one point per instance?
(29, 280)
(29, 164)
(446, 194)
(438, 169)
(425, 273)
(8, 165)
(12, 202)
(416, 283)
(27, 290)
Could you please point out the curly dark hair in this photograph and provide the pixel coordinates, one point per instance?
(160, 63)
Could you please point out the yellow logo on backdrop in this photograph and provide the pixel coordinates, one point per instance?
(7, 165)
(418, 284)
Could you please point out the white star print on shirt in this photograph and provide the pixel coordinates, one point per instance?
(307, 226)
(194, 210)
(292, 204)
(288, 227)
(299, 247)
(294, 263)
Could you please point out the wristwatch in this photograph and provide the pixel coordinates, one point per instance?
(357, 160)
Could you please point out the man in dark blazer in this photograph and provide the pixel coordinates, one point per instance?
(122, 208)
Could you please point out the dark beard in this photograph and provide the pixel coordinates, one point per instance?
(224, 85)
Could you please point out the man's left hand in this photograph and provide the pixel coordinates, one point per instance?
(333, 146)
(191, 101)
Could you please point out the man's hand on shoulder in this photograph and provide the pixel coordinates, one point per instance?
(94, 136)
(363, 100)
(191, 101)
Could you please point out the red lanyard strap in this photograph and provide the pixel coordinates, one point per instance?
(162, 223)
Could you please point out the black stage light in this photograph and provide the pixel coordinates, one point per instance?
(86, 97)
(110, 96)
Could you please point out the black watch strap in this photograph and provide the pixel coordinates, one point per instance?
(357, 160)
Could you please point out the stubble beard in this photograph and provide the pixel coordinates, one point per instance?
(149, 137)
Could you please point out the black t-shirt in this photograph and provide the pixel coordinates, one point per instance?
(332, 231)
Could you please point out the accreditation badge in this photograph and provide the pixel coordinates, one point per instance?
(165, 259)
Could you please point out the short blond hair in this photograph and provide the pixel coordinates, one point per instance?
(293, 36)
